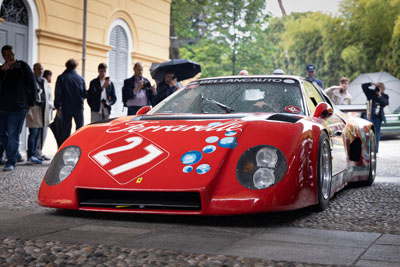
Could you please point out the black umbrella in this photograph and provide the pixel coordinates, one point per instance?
(183, 68)
(60, 130)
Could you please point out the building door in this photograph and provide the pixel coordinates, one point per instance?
(14, 29)
(14, 32)
(118, 66)
(17, 36)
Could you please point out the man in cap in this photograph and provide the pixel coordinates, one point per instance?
(311, 69)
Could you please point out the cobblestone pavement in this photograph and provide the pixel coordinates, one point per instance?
(356, 208)
(15, 252)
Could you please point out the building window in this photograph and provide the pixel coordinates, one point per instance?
(118, 64)
(14, 11)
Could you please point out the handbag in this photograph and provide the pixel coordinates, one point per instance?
(37, 114)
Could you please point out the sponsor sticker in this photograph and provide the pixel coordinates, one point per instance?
(292, 109)
(127, 158)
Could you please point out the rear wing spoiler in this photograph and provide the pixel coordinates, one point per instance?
(357, 108)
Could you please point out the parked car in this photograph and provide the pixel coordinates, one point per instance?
(391, 126)
(224, 145)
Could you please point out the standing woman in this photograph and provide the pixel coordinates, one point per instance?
(375, 93)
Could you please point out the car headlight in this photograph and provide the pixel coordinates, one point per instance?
(62, 165)
(260, 167)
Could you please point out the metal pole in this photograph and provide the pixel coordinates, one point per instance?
(84, 37)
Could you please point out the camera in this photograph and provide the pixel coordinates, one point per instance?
(146, 84)
(341, 91)
(16, 65)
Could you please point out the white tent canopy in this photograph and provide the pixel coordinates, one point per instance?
(392, 85)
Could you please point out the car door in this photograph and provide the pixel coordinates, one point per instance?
(335, 125)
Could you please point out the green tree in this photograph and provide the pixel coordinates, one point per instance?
(234, 37)
(365, 37)
(372, 33)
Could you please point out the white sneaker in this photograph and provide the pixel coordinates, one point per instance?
(34, 160)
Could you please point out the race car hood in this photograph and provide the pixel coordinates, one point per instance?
(159, 152)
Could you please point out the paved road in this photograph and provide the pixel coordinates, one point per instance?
(361, 228)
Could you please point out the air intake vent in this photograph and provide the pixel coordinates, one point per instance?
(284, 118)
(139, 200)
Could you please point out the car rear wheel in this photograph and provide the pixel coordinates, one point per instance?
(372, 159)
(324, 172)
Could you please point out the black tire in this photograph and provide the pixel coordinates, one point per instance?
(324, 172)
(372, 159)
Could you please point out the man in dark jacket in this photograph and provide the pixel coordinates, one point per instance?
(101, 95)
(310, 70)
(137, 91)
(379, 100)
(165, 88)
(70, 93)
(17, 95)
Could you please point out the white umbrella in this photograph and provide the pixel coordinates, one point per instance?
(392, 85)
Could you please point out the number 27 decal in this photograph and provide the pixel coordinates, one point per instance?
(103, 159)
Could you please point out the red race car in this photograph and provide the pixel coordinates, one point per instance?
(225, 145)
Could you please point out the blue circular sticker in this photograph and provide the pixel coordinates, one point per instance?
(187, 169)
(229, 142)
(209, 149)
(230, 133)
(203, 168)
(191, 157)
(212, 139)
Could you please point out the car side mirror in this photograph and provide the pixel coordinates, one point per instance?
(323, 110)
(143, 110)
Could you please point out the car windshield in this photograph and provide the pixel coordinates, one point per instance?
(236, 95)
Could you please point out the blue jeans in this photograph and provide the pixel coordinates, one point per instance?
(78, 118)
(32, 140)
(377, 121)
(1, 151)
(10, 129)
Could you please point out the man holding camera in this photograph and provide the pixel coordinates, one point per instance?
(101, 95)
(375, 93)
(339, 94)
(168, 86)
(17, 95)
(137, 91)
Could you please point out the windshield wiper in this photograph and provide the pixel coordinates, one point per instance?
(226, 108)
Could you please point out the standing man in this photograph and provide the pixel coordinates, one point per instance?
(47, 74)
(101, 95)
(310, 70)
(165, 88)
(375, 93)
(339, 93)
(17, 95)
(137, 91)
(46, 97)
(70, 93)
(47, 115)
(35, 116)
